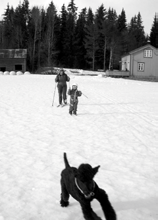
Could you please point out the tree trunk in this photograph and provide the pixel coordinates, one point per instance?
(34, 45)
(39, 46)
(93, 55)
(111, 54)
(36, 18)
(104, 63)
(50, 41)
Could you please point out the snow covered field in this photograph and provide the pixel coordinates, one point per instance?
(116, 127)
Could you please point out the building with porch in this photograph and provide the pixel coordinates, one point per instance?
(13, 60)
(141, 62)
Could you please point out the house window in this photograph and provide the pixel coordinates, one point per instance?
(1, 55)
(141, 67)
(148, 53)
(3, 69)
(18, 67)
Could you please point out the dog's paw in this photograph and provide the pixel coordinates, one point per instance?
(63, 203)
(96, 217)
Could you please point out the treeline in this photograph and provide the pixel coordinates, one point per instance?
(70, 39)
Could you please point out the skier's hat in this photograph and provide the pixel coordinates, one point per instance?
(74, 84)
(61, 70)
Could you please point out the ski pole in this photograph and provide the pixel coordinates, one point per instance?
(84, 95)
(69, 85)
(54, 94)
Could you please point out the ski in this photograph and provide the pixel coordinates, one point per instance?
(65, 104)
(62, 105)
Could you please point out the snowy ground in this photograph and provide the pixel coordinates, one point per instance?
(116, 127)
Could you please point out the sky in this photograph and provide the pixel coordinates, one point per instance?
(116, 128)
(147, 8)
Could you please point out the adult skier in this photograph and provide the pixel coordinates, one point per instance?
(61, 79)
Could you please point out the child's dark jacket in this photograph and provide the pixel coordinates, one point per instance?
(74, 94)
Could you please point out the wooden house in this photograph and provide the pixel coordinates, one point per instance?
(13, 60)
(141, 62)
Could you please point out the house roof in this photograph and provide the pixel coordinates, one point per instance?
(125, 55)
(13, 53)
(142, 48)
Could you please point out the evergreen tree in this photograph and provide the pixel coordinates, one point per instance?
(72, 9)
(154, 32)
(113, 38)
(91, 37)
(36, 20)
(57, 41)
(90, 17)
(9, 28)
(136, 33)
(84, 41)
(141, 40)
(21, 19)
(100, 53)
(43, 45)
(70, 34)
(122, 22)
(18, 27)
(105, 34)
(62, 37)
(49, 36)
(132, 28)
(1, 34)
(123, 35)
(80, 51)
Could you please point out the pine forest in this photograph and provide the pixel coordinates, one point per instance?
(71, 39)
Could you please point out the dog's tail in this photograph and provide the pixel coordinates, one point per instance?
(66, 161)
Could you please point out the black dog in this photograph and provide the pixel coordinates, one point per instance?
(80, 185)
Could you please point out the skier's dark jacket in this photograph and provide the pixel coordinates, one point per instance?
(62, 79)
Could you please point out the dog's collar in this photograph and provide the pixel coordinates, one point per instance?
(86, 196)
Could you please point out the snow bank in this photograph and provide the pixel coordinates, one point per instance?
(27, 73)
(116, 127)
(19, 73)
(6, 73)
(12, 73)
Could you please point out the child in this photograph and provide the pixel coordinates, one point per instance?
(74, 93)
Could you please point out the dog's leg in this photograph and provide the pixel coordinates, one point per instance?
(64, 202)
(88, 212)
(108, 210)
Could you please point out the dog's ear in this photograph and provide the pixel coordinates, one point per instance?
(95, 169)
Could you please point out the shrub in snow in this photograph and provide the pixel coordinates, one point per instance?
(27, 73)
(81, 71)
(101, 75)
(19, 73)
(1, 73)
(12, 73)
(6, 73)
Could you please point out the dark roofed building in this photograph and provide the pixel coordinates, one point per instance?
(13, 59)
